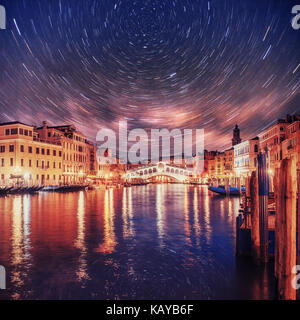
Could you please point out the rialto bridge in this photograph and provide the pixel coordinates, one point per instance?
(160, 172)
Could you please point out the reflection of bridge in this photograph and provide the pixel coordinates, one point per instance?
(159, 170)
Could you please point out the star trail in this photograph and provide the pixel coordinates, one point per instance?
(155, 63)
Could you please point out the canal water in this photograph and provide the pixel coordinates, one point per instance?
(166, 241)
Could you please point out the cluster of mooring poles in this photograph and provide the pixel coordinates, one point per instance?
(268, 227)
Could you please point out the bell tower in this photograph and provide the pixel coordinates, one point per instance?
(236, 136)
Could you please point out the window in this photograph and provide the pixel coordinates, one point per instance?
(14, 131)
(2, 176)
(37, 150)
(30, 133)
(2, 162)
(11, 148)
(21, 131)
(2, 149)
(54, 178)
(22, 162)
(26, 132)
(21, 148)
(60, 153)
(11, 162)
(43, 164)
(37, 163)
(256, 148)
(30, 163)
(29, 149)
(7, 132)
(48, 152)
(37, 177)
(43, 151)
(49, 134)
(48, 164)
(54, 153)
(54, 165)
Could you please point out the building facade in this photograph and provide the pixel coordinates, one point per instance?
(78, 154)
(291, 145)
(25, 159)
(229, 162)
(245, 158)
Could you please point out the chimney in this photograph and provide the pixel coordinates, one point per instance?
(44, 124)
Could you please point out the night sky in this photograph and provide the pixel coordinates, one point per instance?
(156, 63)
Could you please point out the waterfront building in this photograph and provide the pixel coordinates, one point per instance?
(220, 165)
(209, 166)
(26, 159)
(245, 158)
(271, 140)
(291, 145)
(229, 162)
(77, 151)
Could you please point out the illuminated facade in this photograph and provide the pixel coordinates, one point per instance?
(229, 162)
(270, 143)
(78, 154)
(26, 159)
(245, 155)
(291, 146)
(220, 164)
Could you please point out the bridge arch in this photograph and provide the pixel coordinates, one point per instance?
(164, 171)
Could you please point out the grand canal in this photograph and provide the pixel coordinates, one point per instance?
(149, 242)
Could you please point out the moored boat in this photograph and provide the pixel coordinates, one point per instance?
(66, 188)
(231, 192)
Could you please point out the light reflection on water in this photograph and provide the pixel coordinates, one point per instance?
(148, 242)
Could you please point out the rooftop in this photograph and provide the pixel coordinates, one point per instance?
(15, 122)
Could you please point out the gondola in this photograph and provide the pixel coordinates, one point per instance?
(222, 191)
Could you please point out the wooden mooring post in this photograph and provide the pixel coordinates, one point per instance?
(255, 232)
(263, 193)
(286, 228)
(227, 187)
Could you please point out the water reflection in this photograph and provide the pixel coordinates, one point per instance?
(152, 242)
(196, 216)
(109, 241)
(187, 226)
(160, 211)
(17, 243)
(207, 206)
(127, 213)
(82, 272)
